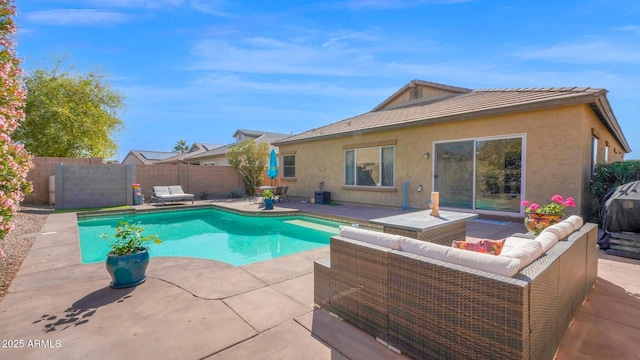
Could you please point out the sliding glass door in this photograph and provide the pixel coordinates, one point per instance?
(480, 174)
(454, 174)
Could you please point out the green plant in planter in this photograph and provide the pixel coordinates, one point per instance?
(128, 239)
(267, 194)
(129, 255)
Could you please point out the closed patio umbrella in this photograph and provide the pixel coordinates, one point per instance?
(272, 171)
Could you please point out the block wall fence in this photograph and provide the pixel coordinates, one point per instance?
(85, 183)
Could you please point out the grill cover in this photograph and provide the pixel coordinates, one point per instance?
(621, 211)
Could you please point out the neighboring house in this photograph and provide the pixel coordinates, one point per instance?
(148, 157)
(218, 156)
(196, 148)
(483, 150)
(145, 157)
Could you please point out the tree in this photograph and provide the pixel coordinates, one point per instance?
(250, 159)
(15, 162)
(181, 146)
(70, 115)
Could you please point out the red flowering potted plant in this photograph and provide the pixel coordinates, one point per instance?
(539, 217)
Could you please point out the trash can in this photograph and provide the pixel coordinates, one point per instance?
(137, 194)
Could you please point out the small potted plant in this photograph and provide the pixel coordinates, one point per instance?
(268, 196)
(129, 255)
(539, 217)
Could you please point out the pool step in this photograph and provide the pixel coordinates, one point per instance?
(312, 225)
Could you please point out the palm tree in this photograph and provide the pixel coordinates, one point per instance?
(181, 146)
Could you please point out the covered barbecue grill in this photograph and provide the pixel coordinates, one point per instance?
(621, 221)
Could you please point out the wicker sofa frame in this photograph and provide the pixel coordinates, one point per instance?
(429, 309)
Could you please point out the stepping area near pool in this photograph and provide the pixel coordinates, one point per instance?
(195, 308)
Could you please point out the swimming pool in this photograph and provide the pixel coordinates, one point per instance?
(212, 234)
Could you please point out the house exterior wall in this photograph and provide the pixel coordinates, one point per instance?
(556, 157)
(131, 160)
(217, 160)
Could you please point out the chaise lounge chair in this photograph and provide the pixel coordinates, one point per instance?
(161, 194)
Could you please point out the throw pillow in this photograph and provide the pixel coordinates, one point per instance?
(492, 247)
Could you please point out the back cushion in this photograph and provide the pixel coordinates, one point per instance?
(160, 190)
(494, 264)
(372, 237)
(526, 251)
(424, 248)
(547, 239)
(176, 190)
(576, 221)
(561, 229)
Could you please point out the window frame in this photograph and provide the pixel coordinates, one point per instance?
(380, 167)
(284, 166)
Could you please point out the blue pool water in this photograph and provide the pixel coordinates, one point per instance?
(212, 234)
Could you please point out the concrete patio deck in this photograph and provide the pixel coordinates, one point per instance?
(57, 308)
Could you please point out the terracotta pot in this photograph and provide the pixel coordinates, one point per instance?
(535, 223)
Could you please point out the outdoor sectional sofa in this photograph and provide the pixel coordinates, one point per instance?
(431, 301)
(162, 194)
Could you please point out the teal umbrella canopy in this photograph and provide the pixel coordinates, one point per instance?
(272, 171)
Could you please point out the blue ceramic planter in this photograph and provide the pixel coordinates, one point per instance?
(268, 204)
(127, 270)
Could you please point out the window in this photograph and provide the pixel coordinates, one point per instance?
(594, 153)
(369, 166)
(289, 166)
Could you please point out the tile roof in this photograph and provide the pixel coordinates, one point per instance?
(261, 136)
(196, 148)
(149, 157)
(466, 105)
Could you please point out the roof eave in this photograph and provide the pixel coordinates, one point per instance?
(603, 110)
(588, 98)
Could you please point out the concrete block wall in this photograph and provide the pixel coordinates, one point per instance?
(43, 168)
(87, 183)
(89, 186)
(217, 181)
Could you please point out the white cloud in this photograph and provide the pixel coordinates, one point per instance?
(271, 56)
(212, 7)
(633, 29)
(134, 3)
(226, 82)
(588, 51)
(394, 4)
(76, 17)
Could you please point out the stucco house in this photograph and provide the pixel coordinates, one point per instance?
(195, 149)
(152, 157)
(483, 150)
(218, 156)
(145, 157)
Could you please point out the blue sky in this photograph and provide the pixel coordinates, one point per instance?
(199, 70)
